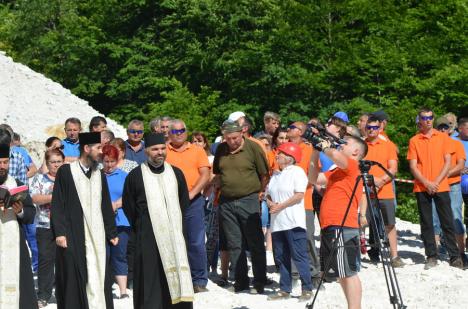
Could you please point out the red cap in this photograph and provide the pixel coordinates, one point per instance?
(292, 150)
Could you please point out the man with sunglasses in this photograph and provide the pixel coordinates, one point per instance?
(193, 162)
(458, 159)
(135, 147)
(429, 155)
(385, 153)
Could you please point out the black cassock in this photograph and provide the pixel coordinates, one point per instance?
(149, 280)
(67, 220)
(27, 297)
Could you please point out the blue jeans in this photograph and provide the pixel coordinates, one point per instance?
(456, 203)
(194, 220)
(292, 244)
(30, 234)
(265, 215)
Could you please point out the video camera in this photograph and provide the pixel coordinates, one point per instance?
(317, 138)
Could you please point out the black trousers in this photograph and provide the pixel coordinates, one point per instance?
(45, 272)
(442, 203)
(242, 228)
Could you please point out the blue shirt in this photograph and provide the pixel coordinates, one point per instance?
(132, 155)
(115, 182)
(26, 157)
(465, 145)
(70, 149)
(18, 168)
(326, 162)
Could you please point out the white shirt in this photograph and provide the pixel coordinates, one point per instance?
(283, 184)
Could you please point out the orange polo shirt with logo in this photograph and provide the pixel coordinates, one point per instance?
(189, 160)
(382, 151)
(429, 154)
(340, 184)
(458, 153)
(304, 164)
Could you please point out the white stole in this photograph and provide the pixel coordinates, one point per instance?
(9, 256)
(166, 219)
(89, 192)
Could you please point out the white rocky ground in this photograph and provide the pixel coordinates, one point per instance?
(37, 107)
(440, 287)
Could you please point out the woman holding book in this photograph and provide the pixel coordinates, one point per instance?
(41, 187)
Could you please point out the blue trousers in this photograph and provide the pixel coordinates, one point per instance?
(118, 254)
(292, 244)
(195, 226)
(30, 234)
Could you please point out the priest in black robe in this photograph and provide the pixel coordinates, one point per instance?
(16, 279)
(154, 199)
(83, 223)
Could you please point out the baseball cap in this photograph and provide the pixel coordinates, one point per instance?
(381, 115)
(342, 115)
(230, 126)
(235, 116)
(442, 120)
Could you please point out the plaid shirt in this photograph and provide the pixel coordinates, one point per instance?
(18, 168)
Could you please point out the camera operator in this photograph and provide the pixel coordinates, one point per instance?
(339, 183)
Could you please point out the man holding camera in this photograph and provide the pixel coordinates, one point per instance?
(344, 258)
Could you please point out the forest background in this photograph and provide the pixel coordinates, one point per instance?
(199, 60)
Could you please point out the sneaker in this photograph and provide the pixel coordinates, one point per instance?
(42, 303)
(199, 289)
(456, 262)
(280, 295)
(397, 262)
(306, 295)
(430, 263)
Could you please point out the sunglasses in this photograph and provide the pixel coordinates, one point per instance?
(133, 131)
(177, 132)
(425, 118)
(292, 127)
(372, 127)
(443, 127)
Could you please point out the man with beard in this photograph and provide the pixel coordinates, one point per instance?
(16, 280)
(154, 199)
(83, 221)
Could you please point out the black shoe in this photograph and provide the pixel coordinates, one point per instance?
(257, 289)
(456, 262)
(465, 261)
(239, 287)
(222, 282)
(430, 262)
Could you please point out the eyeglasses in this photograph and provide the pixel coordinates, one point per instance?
(373, 128)
(133, 131)
(55, 162)
(177, 132)
(425, 118)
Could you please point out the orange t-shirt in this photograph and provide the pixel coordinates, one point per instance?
(382, 151)
(272, 164)
(429, 153)
(304, 164)
(189, 161)
(458, 152)
(337, 194)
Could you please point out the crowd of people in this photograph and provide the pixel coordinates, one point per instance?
(156, 212)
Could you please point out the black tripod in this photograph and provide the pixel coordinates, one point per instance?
(380, 236)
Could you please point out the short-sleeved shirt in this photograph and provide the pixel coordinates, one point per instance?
(71, 149)
(115, 182)
(189, 160)
(138, 156)
(458, 153)
(41, 184)
(27, 158)
(240, 172)
(271, 156)
(282, 186)
(337, 195)
(306, 151)
(465, 146)
(17, 168)
(382, 151)
(429, 154)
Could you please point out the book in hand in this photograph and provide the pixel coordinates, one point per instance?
(10, 196)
